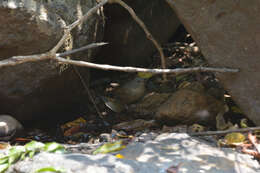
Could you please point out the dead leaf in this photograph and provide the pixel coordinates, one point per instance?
(234, 138)
(4, 145)
(74, 123)
(174, 169)
(252, 138)
(251, 152)
(72, 130)
(110, 147)
(243, 123)
(120, 156)
(22, 140)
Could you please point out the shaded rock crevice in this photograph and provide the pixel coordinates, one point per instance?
(30, 90)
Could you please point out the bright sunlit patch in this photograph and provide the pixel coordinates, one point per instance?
(43, 13)
(226, 95)
(12, 5)
(3, 124)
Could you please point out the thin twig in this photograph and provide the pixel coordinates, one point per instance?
(39, 57)
(88, 91)
(76, 23)
(87, 15)
(32, 58)
(90, 46)
(137, 69)
(221, 132)
(61, 42)
(15, 60)
(148, 34)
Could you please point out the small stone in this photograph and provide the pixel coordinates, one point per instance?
(9, 127)
(187, 107)
(105, 137)
(144, 137)
(195, 50)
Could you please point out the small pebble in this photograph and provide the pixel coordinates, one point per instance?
(146, 137)
(9, 127)
(105, 137)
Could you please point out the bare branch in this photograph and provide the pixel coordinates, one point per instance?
(15, 60)
(32, 58)
(51, 54)
(137, 69)
(221, 132)
(148, 34)
(61, 42)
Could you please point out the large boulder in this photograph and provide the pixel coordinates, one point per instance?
(43, 88)
(128, 44)
(167, 150)
(228, 34)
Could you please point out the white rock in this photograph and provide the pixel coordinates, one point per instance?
(9, 127)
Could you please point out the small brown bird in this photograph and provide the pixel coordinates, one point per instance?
(128, 93)
(131, 91)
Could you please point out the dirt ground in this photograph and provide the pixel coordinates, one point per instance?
(100, 117)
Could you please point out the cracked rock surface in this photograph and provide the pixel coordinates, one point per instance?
(166, 150)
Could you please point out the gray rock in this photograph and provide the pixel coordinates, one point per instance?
(187, 107)
(79, 163)
(194, 155)
(9, 127)
(32, 90)
(169, 149)
(227, 33)
(144, 137)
